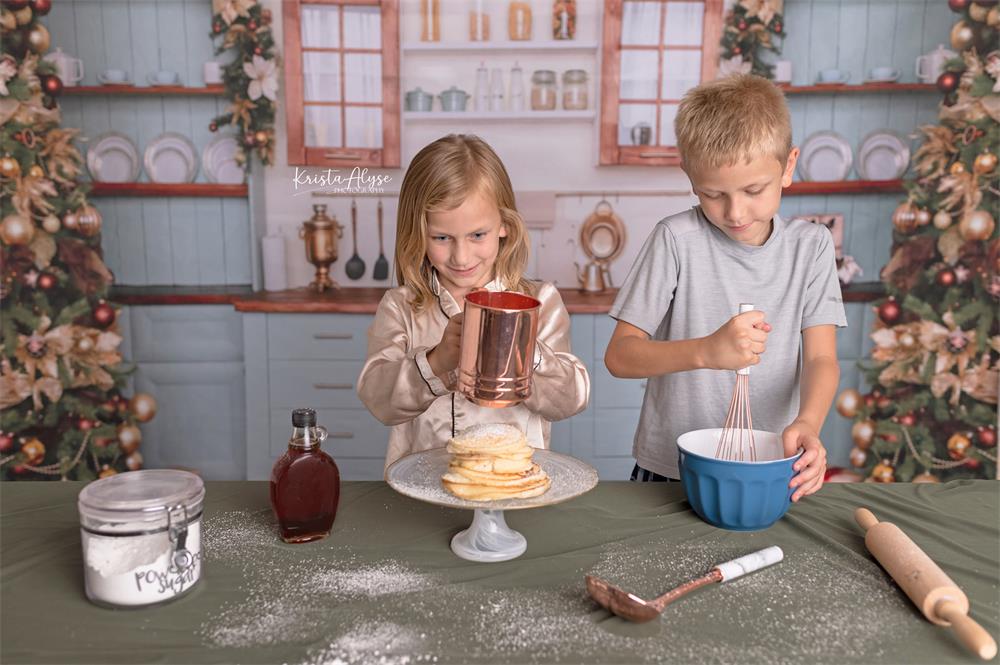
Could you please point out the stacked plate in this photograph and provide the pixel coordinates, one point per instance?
(219, 161)
(884, 155)
(113, 157)
(827, 156)
(171, 157)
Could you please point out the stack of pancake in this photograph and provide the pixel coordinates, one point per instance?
(490, 462)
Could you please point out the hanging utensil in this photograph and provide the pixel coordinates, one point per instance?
(381, 269)
(354, 267)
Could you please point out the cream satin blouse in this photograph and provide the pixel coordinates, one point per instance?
(399, 388)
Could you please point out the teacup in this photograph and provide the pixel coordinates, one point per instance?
(883, 74)
(212, 72)
(162, 77)
(783, 71)
(113, 76)
(832, 75)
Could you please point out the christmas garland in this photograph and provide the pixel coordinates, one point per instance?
(251, 79)
(751, 27)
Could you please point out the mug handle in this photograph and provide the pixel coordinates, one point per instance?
(921, 59)
(896, 73)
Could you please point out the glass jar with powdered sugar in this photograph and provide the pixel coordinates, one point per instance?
(141, 533)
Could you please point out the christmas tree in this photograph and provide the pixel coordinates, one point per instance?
(62, 414)
(932, 412)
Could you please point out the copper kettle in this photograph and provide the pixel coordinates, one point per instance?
(321, 234)
(594, 277)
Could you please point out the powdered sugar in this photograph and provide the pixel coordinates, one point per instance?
(491, 430)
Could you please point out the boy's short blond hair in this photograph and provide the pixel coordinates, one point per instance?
(737, 118)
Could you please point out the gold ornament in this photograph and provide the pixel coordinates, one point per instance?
(23, 16)
(858, 457)
(984, 163)
(17, 230)
(977, 225)
(978, 13)
(129, 438)
(107, 472)
(923, 217)
(904, 218)
(134, 461)
(863, 432)
(848, 403)
(88, 221)
(9, 167)
(51, 224)
(958, 168)
(33, 450)
(926, 477)
(907, 341)
(260, 138)
(993, 18)
(883, 473)
(942, 220)
(962, 36)
(38, 38)
(143, 407)
(70, 221)
(36, 171)
(7, 20)
(958, 445)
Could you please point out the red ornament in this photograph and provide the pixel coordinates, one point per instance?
(41, 7)
(52, 85)
(216, 27)
(742, 25)
(213, 126)
(777, 27)
(6, 441)
(958, 6)
(251, 25)
(948, 82)
(104, 314)
(248, 138)
(987, 436)
(973, 463)
(84, 425)
(258, 50)
(889, 311)
(737, 50)
(946, 277)
(883, 403)
(869, 401)
(46, 281)
(907, 420)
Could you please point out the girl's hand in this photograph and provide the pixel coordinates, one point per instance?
(738, 343)
(443, 358)
(811, 467)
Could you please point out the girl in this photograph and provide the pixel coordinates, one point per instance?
(457, 230)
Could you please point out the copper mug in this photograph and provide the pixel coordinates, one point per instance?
(497, 353)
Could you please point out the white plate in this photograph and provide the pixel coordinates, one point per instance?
(113, 157)
(219, 161)
(825, 156)
(171, 157)
(884, 155)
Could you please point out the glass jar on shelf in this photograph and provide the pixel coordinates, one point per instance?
(574, 90)
(564, 19)
(543, 90)
(519, 20)
(479, 22)
(430, 20)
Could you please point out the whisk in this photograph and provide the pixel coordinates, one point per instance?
(736, 442)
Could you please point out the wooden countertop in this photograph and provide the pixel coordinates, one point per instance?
(359, 300)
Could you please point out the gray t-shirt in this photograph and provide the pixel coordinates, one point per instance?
(688, 280)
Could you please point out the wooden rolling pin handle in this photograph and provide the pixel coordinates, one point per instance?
(865, 518)
(969, 633)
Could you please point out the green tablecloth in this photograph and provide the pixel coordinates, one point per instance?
(386, 588)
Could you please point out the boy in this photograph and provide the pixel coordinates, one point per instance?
(675, 310)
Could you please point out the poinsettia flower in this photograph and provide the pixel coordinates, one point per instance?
(734, 65)
(230, 10)
(8, 68)
(263, 78)
(763, 9)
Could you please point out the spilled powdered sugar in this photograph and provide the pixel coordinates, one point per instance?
(817, 606)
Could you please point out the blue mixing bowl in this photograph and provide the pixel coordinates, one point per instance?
(740, 496)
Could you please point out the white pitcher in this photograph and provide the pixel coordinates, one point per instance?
(931, 65)
(70, 69)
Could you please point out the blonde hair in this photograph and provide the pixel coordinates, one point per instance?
(737, 118)
(440, 177)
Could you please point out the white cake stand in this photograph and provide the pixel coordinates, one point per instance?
(488, 538)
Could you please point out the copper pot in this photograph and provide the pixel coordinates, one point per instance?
(497, 354)
(321, 234)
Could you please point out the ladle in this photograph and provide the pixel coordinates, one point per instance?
(631, 607)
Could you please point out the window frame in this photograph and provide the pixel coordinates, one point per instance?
(611, 153)
(299, 154)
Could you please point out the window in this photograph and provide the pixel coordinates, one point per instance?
(342, 82)
(654, 51)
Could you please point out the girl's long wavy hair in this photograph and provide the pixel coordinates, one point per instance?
(440, 177)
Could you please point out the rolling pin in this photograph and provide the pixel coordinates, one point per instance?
(940, 599)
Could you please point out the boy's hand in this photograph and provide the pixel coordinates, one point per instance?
(738, 343)
(811, 467)
(444, 357)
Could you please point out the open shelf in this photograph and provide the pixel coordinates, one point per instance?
(498, 116)
(844, 187)
(565, 46)
(859, 87)
(179, 90)
(167, 189)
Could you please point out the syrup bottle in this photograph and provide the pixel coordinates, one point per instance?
(305, 483)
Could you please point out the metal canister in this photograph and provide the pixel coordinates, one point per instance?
(497, 354)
